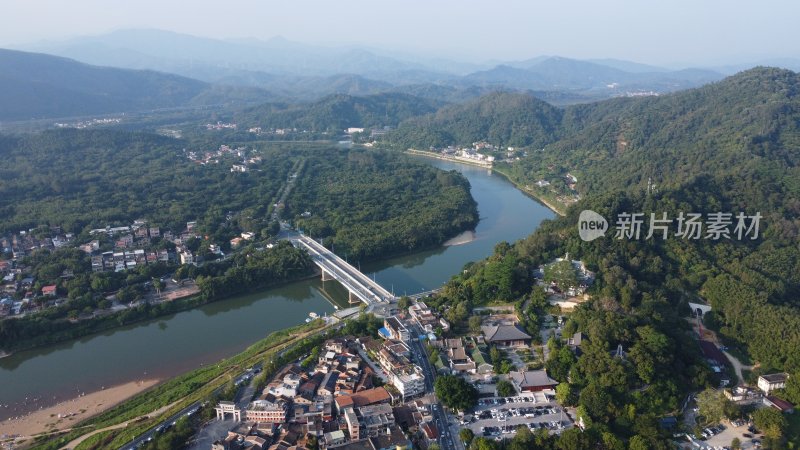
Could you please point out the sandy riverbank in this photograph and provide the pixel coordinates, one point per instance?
(73, 411)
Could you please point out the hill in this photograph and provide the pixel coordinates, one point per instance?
(732, 146)
(503, 118)
(338, 112)
(36, 86)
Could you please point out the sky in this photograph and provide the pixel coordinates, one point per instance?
(670, 33)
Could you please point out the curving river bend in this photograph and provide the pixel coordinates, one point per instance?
(170, 345)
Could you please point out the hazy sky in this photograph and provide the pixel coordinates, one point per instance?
(699, 32)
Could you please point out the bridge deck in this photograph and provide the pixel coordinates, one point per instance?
(358, 284)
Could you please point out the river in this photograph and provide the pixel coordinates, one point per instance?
(174, 344)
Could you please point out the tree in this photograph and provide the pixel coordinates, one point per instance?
(158, 285)
(455, 392)
(712, 405)
(505, 388)
(638, 443)
(403, 303)
(770, 421)
(792, 389)
(475, 324)
(466, 436)
(736, 444)
(565, 395)
(482, 443)
(523, 440)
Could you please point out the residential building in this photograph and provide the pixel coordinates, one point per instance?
(779, 404)
(375, 420)
(423, 315)
(410, 383)
(768, 383)
(362, 398)
(269, 409)
(397, 330)
(49, 291)
(187, 257)
(334, 438)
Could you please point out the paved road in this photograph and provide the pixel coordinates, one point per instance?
(448, 440)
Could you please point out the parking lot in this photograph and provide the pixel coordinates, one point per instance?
(500, 417)
(720, 436)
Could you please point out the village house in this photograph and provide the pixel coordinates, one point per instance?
(770, 382)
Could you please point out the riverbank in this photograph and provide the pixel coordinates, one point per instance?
(66, 414)
(455, 159)
(558, 209)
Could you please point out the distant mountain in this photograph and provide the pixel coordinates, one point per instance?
(36, 86)
(338, 112)
(589, 78)
(627, 66)
(213, 59)
(299, 71)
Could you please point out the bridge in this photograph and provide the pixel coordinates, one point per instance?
(359, 286)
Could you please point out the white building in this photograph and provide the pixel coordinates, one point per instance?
(410, 383)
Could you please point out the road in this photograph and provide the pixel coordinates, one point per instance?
(448, 440)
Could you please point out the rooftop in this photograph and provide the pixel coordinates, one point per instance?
(504, 333)
(531, 378)
(776, 377)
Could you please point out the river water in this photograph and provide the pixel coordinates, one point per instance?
(180, 342)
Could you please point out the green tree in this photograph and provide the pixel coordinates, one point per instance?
(736, 444)
(403, 303)
(792, 390)
(638, 443)
(482, 443)
(466, 436)
(505, 389)
(565, 395)
(712, 405)
(475, 324)
(770, 421)
(455, 392)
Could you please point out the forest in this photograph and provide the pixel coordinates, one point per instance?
(730, 147)
(368, 204)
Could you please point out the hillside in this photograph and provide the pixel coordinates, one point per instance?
(337, 112)
(732, 146)
(34, 86)
(501, 118)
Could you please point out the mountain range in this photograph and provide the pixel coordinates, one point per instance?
(35, 86)
(307, 72)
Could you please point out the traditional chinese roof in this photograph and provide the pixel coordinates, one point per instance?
(495, 333)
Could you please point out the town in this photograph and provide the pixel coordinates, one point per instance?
(387, 391)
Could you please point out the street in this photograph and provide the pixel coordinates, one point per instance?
(448, 438)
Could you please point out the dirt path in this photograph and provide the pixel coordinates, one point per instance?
(76, 442)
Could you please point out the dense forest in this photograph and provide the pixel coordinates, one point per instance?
(335, 113)
(78, 179)
(729, 147)
(369, 204)
(505, 119)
